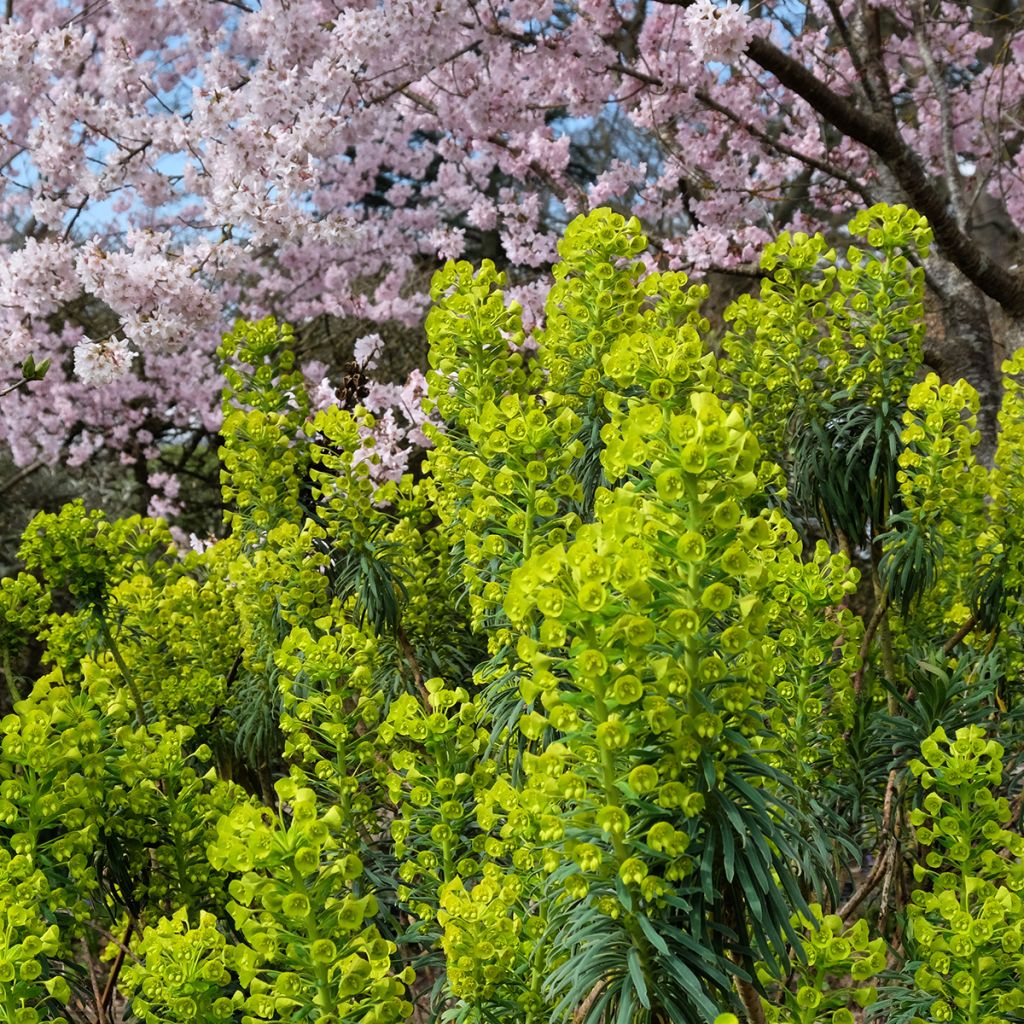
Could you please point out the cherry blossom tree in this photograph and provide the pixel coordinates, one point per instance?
(169, 165)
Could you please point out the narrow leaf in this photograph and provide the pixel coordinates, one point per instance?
(637, 974)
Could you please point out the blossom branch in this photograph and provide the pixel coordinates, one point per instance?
(953, 180)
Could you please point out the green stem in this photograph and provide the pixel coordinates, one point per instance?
(12, 686)
(179, 854)
(528, 525)
(126, 675)
(322, 999)
(537, 980)
(613, 798)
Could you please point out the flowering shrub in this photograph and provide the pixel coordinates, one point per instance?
(586, 722)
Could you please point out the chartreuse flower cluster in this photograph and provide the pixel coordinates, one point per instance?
(603, 295)
(647, 635)
(265, 406)
(330, 715)
(82, 554)
(182, 973)
(965, 926)
(828, 325)
(501, 465)
(454, 867)
(488, 937)
(1008, 501)
(54, 765)
(299, 904)
(814, 655)
(23, 604)
(436, 794)
(834, 979)
(78, 778)
(192, 637)
(943, 541)
(89, 832)
(30, 989)
(645, 706)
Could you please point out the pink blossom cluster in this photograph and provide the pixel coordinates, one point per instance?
(718, 32)
(397, 433)
(169, 165)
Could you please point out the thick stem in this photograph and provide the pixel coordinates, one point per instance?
(751, 1001)
(950, 645)
(884, 636)
(965, 348)
(865, 647)
(126, 675)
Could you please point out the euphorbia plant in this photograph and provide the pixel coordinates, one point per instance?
(536, 735)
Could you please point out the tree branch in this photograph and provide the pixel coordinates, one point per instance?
(780, 147)
(20, 475)
(875, 132)
(843, 27)
(949, 160)
(870, 29)
(872, 131)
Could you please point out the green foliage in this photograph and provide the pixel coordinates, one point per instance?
(32, 987)
(296, 903)
(584, 723)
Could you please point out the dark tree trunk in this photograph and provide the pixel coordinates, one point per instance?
(966, 348)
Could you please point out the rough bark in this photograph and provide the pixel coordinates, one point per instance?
(966, 348)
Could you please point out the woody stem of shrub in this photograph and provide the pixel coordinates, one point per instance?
(865, 647)
(97, 998)
(129, 679)
(751, 1001)
(886, 855)
(406, 649)
(865, 887)
(108, 989)
(884, 636)
(960, 634)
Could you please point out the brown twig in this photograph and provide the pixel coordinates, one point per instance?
(584, 1007)
(751, 1001)
(21, 475)
(890, 790)
(14, 387)
(890, 874)
(865, 647)
(950, 645)
(410, 657)
(101, 1016)
(108, 991)
(865, 888)
(886, 854)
